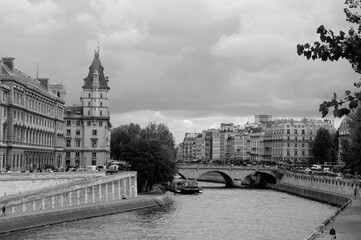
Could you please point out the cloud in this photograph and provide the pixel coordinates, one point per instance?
(29, 17)
(191, 64)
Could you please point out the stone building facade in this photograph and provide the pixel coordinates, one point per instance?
(87, 125)
(281, 140)
(31, 121)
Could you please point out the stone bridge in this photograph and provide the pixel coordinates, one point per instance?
(234, 176)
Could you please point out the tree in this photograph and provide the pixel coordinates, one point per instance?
(151, 161)
(322, 146)
(150, 152)
(121, 136)
(351, 147)
(159, 132)
(332, 47)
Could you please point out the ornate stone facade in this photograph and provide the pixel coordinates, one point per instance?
(31, 121)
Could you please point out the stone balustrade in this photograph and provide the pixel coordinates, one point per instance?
(321, 183)
(76, 194)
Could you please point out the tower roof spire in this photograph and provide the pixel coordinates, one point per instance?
(96, 66)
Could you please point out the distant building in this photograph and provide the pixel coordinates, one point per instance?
(291, 140)
(31, 120)
(265, 140)
(87, 125)
(188, 147)
(262, 118)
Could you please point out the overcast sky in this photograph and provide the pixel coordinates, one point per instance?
(191, 64)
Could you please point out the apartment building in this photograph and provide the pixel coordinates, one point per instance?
(290, 140)
(31, 119)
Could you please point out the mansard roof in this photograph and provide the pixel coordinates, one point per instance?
(73, 110)
(96, 65)
(7, 74)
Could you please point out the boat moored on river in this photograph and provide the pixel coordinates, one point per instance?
(185, 187)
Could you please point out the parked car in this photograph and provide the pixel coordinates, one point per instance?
(316, 167)
(101, 168)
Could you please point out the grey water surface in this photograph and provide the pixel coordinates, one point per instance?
(217, 213)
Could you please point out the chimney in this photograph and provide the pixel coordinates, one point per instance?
(9, 62)
(44, 82)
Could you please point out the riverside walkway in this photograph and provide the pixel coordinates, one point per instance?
(347, 223)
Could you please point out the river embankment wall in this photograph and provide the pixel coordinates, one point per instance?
(15, 183)
(23, 222)
(82, 194)
(321, 188)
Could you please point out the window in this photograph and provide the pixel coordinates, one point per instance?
(288, 153)
(68, 123)
(89, 123)
(101, 104)
(303, 145)
(295, 144)
(303, 131)
(77, 154)
(88, 95)
(303, 153)
(288, 131)
(68, 132)
(295, 131)
(88, 104)
(88, 112)
(78, 123)
(67, 154)
(100, 123)
(94, 132)
(296, 139)
(77, 132)
(101, 95)
(311, 139)
(94, 154)
(94, 143)
(68, 142)
(77, 143)
(94, 162)
(101, 113)
(288, 144)
(295, 153)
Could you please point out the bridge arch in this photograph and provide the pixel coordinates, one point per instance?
(227, 179)
(260, 178)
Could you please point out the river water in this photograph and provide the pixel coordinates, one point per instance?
(217, 213)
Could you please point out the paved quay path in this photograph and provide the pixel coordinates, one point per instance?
(347, 223)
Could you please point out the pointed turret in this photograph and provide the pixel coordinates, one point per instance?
(96, 68)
